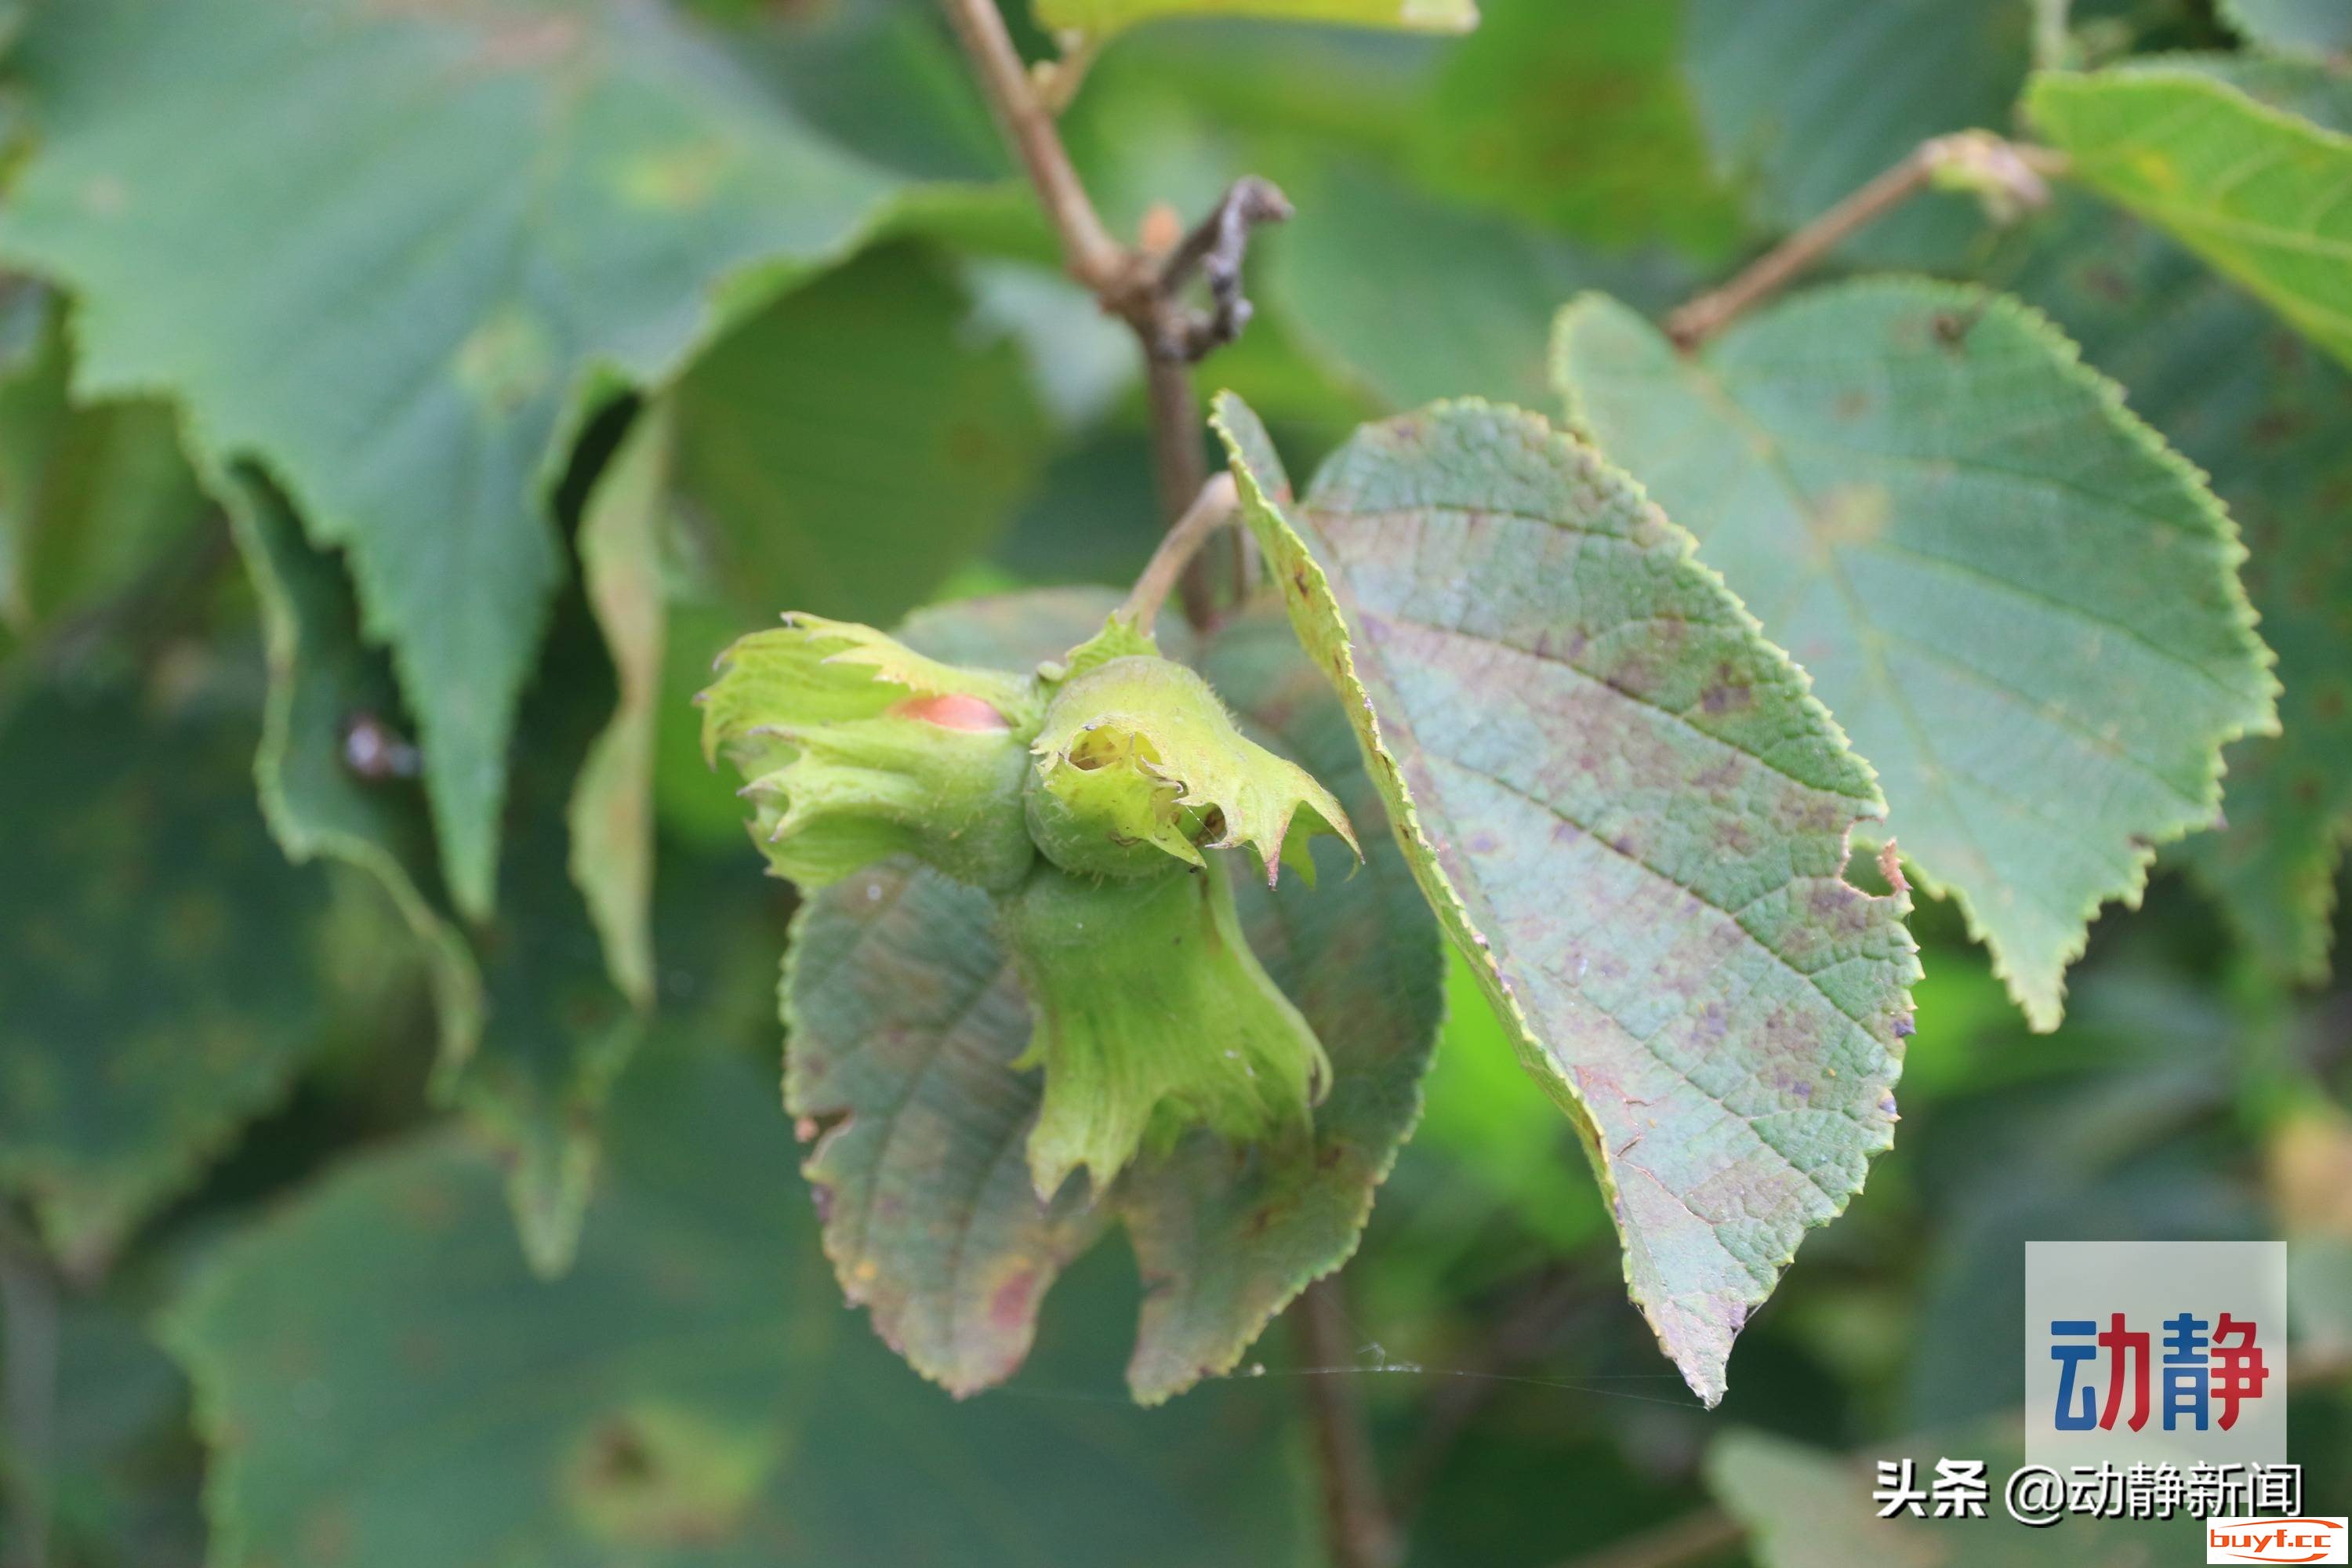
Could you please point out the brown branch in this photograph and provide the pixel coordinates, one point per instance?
(1137, 285)
(2005, 172)
(1357, 1528)
(1213, 509)
(1094, 259)
(1178, 465)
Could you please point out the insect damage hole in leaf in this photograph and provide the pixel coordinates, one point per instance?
(2020, 603)
(1628, 813)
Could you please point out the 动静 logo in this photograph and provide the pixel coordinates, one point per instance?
(2156, 1353)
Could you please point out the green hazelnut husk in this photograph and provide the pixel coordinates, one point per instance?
(1152, 1016)
(856, 749)
(1139, 766)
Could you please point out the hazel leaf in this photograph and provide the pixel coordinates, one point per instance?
(2021, 604)
(2254, 190)
(611, 810)
(149, 861)
(2268, 417)
(2299, 29)
(534, 200)
(1631, 817)
(531, 1031)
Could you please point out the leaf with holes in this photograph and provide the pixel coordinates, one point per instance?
(1629, 814)
(2269, 418)
(2021, 605)
(906, 1018)
(400, 307)
(2259, 192)
(382, 1384)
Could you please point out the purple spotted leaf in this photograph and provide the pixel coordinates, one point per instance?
(1629, 814)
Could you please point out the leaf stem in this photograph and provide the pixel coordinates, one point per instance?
(2006, 171)
(1138, 285)
(1214, 507)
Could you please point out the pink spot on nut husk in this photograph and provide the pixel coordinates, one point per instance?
(952, 710)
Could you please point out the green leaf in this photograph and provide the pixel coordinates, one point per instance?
(1628, 813)
(2021, 605)
(123, 1470)
(2253, 189)
(381, 1384)
(2316, 29)
(612, 808)
(2269, 418)
(401, 306)
(2317, 92)
(322, 681)
(91, 498)
(556, 1031)
(159, 985)
(532, 1033)
(1804, 101)
(1101, 18)
(1627, 165)
(1482, 288)
(906, 1016)
(846, 449)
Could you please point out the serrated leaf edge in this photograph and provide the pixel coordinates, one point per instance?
(1263, 511)
(2043, 1006)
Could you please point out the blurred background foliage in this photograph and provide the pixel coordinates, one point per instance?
(222, 1074)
